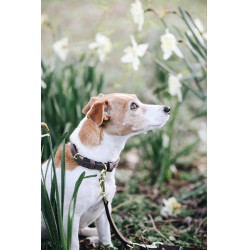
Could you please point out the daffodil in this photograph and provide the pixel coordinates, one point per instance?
(103, 46)
(198, 30)
(174, 86)
(61, 48)
(133, 53)
(137, 13)
(171, 207)
(169, 45)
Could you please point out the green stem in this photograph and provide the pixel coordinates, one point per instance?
(63, 241)
(162, 21)
(164, 67)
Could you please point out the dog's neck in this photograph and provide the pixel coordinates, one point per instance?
(109, 148)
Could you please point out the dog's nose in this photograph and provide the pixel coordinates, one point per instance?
(166, 109)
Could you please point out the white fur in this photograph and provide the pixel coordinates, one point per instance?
(89, 206)
(109, 149)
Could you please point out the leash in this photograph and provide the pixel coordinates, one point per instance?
(104, 168)
(125, 242)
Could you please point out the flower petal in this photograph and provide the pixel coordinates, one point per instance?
(141, 49)
(136, 63)
(141, 21)
(179, 94)
(101, 55)
(167, 54)
(134, 43)
(199, 24)
(61, 49)
(93, 45)
(127, 58)
(178, 52)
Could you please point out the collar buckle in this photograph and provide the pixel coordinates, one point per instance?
(78, 154)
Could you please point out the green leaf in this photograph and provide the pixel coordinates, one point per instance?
(48, 215)
(186, 150)
(189, 24)
(198, 191)
(54, 151)
(62, 177)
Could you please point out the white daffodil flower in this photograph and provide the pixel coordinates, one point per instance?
(133, 53)
(137, 13)
(198, 31)
(103, 46)
(171, 207)
(61, 48)
(199, 24)
(174, 86)
(169, 45)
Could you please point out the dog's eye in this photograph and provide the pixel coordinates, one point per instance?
(133, 106)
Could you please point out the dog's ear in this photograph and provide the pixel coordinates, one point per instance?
(99, 112)
(88, 106)
(90, 103)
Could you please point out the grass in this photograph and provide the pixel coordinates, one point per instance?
(52, 203)
(68, 90)
(136, 212)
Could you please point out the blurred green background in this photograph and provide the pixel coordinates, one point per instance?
(168, 162)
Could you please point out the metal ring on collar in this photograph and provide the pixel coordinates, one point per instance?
(105, 166)
(78, 154)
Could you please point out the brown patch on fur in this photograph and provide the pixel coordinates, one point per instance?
(108, 113)
(90, 134)
(70, 164)
(97, 114)
(90, 103)
(122, 119)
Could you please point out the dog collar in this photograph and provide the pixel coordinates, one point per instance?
(91, 164)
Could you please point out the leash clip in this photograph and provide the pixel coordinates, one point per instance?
(101, 182)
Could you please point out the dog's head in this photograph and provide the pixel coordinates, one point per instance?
(124, 114)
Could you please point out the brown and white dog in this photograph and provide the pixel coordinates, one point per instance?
(109, 122)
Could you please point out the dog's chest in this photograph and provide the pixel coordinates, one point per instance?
(92, 196)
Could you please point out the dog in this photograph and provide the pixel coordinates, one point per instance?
(110, 120)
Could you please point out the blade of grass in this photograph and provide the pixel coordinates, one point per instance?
(189, 24)
(59, 216)
(54, 150)
(198, 191)
(165, 68)
(48, 215)
(185, 151)
(62, 178)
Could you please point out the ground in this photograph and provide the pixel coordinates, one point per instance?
(136, 209)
